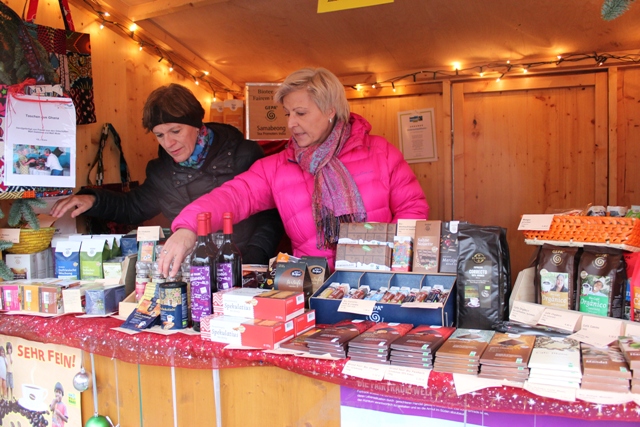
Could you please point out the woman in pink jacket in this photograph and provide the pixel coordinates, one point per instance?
(331, 171)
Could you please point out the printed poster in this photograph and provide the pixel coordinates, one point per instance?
(36, 384)
(418, 135)
(40, 141)
(266, 118)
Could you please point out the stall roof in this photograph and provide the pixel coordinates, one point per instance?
(263, 40)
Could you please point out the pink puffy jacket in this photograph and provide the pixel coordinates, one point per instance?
(388, 187)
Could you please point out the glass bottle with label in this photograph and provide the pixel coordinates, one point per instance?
(202, 271)
(229, 259)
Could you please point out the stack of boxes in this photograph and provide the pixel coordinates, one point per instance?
(257, 318)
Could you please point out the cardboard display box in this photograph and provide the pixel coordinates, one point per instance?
(265, 334)
(441, 314)
(294, 277)
(304, 322)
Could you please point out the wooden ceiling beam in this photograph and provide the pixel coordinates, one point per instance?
(156, 8)
(180, 54)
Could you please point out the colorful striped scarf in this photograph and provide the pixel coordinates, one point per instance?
(201, 149)
(335, 197)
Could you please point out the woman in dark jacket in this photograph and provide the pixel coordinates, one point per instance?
(193, 159)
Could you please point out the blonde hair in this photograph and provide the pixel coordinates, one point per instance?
(323, 86)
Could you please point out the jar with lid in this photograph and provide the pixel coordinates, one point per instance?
(142, 278)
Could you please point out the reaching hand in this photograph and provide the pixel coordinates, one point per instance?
(80, 203)
(175, 250)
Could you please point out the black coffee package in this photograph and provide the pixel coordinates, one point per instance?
(555, 279)
(601, 281)
(483, 276)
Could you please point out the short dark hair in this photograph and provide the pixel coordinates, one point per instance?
(172, 103)
(58, 387)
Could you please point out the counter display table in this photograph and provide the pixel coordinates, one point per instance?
(152, 379)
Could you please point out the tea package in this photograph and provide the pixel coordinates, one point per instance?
(483, 276)
(555, 277)
(67, 257)
(601, 281)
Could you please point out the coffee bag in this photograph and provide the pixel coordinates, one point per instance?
(601, 279)
(555, 279)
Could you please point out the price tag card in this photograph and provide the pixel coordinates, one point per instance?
(632, 328)
(368, 371)
(46, 220)
(562, 319)
(554, 392)
(10, 235)
(603, 397)
(600, 331)
(535, 222)
(406, 375)
(357, 306)
(149, 233)
(470, 383)
(526, 313)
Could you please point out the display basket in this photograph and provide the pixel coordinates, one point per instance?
(590, 230)
(32, 241)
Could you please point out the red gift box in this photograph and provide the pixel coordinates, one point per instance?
(278, 305)
(266, 334)
(304, 322)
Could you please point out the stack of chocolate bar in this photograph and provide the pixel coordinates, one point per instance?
(604, 369)
(506, 357)
(333, 339)
(417, 348)
(555, 361)
(374, 344)
(461, 352)
(630, 347)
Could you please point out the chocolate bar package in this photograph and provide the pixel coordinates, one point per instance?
(381, 335)
(483, 277)
(449, 247)
(423, 339)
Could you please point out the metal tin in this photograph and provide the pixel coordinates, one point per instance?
(174, 305)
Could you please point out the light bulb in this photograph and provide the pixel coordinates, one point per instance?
(133, 27)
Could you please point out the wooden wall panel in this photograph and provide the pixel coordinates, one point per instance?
(628, 137)
(528, 150)
(382, 113)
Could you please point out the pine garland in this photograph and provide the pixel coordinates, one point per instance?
(611, 9)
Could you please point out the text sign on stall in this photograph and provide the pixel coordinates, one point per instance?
(265, 118)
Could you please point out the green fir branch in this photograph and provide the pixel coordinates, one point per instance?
(5, 272)
(4, 245)
(22, 212)
(611, 9)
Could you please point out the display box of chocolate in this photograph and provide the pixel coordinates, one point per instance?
(363, 257)
(293, 276)
(265, 334)
(369, 233)
(449, 247)
(440, 313)
(104, 300)
(426, 246)
(318, 270)
(304, 322)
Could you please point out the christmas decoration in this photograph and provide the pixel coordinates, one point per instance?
(611, 9)
(98, 421)
(81, 380)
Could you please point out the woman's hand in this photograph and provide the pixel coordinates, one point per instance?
(80, 203)
(175, 250)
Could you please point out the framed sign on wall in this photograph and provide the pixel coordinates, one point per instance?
(265, 119)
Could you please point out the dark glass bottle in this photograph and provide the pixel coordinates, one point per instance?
(229, 259)
(202, 271)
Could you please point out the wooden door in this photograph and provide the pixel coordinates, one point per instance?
(526, 146)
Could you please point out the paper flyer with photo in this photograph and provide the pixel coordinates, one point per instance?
(40, 141)
(36, 383)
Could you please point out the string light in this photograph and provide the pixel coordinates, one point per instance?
(393, 86)
(130, 31)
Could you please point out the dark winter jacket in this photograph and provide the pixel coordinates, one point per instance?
(169, 187)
